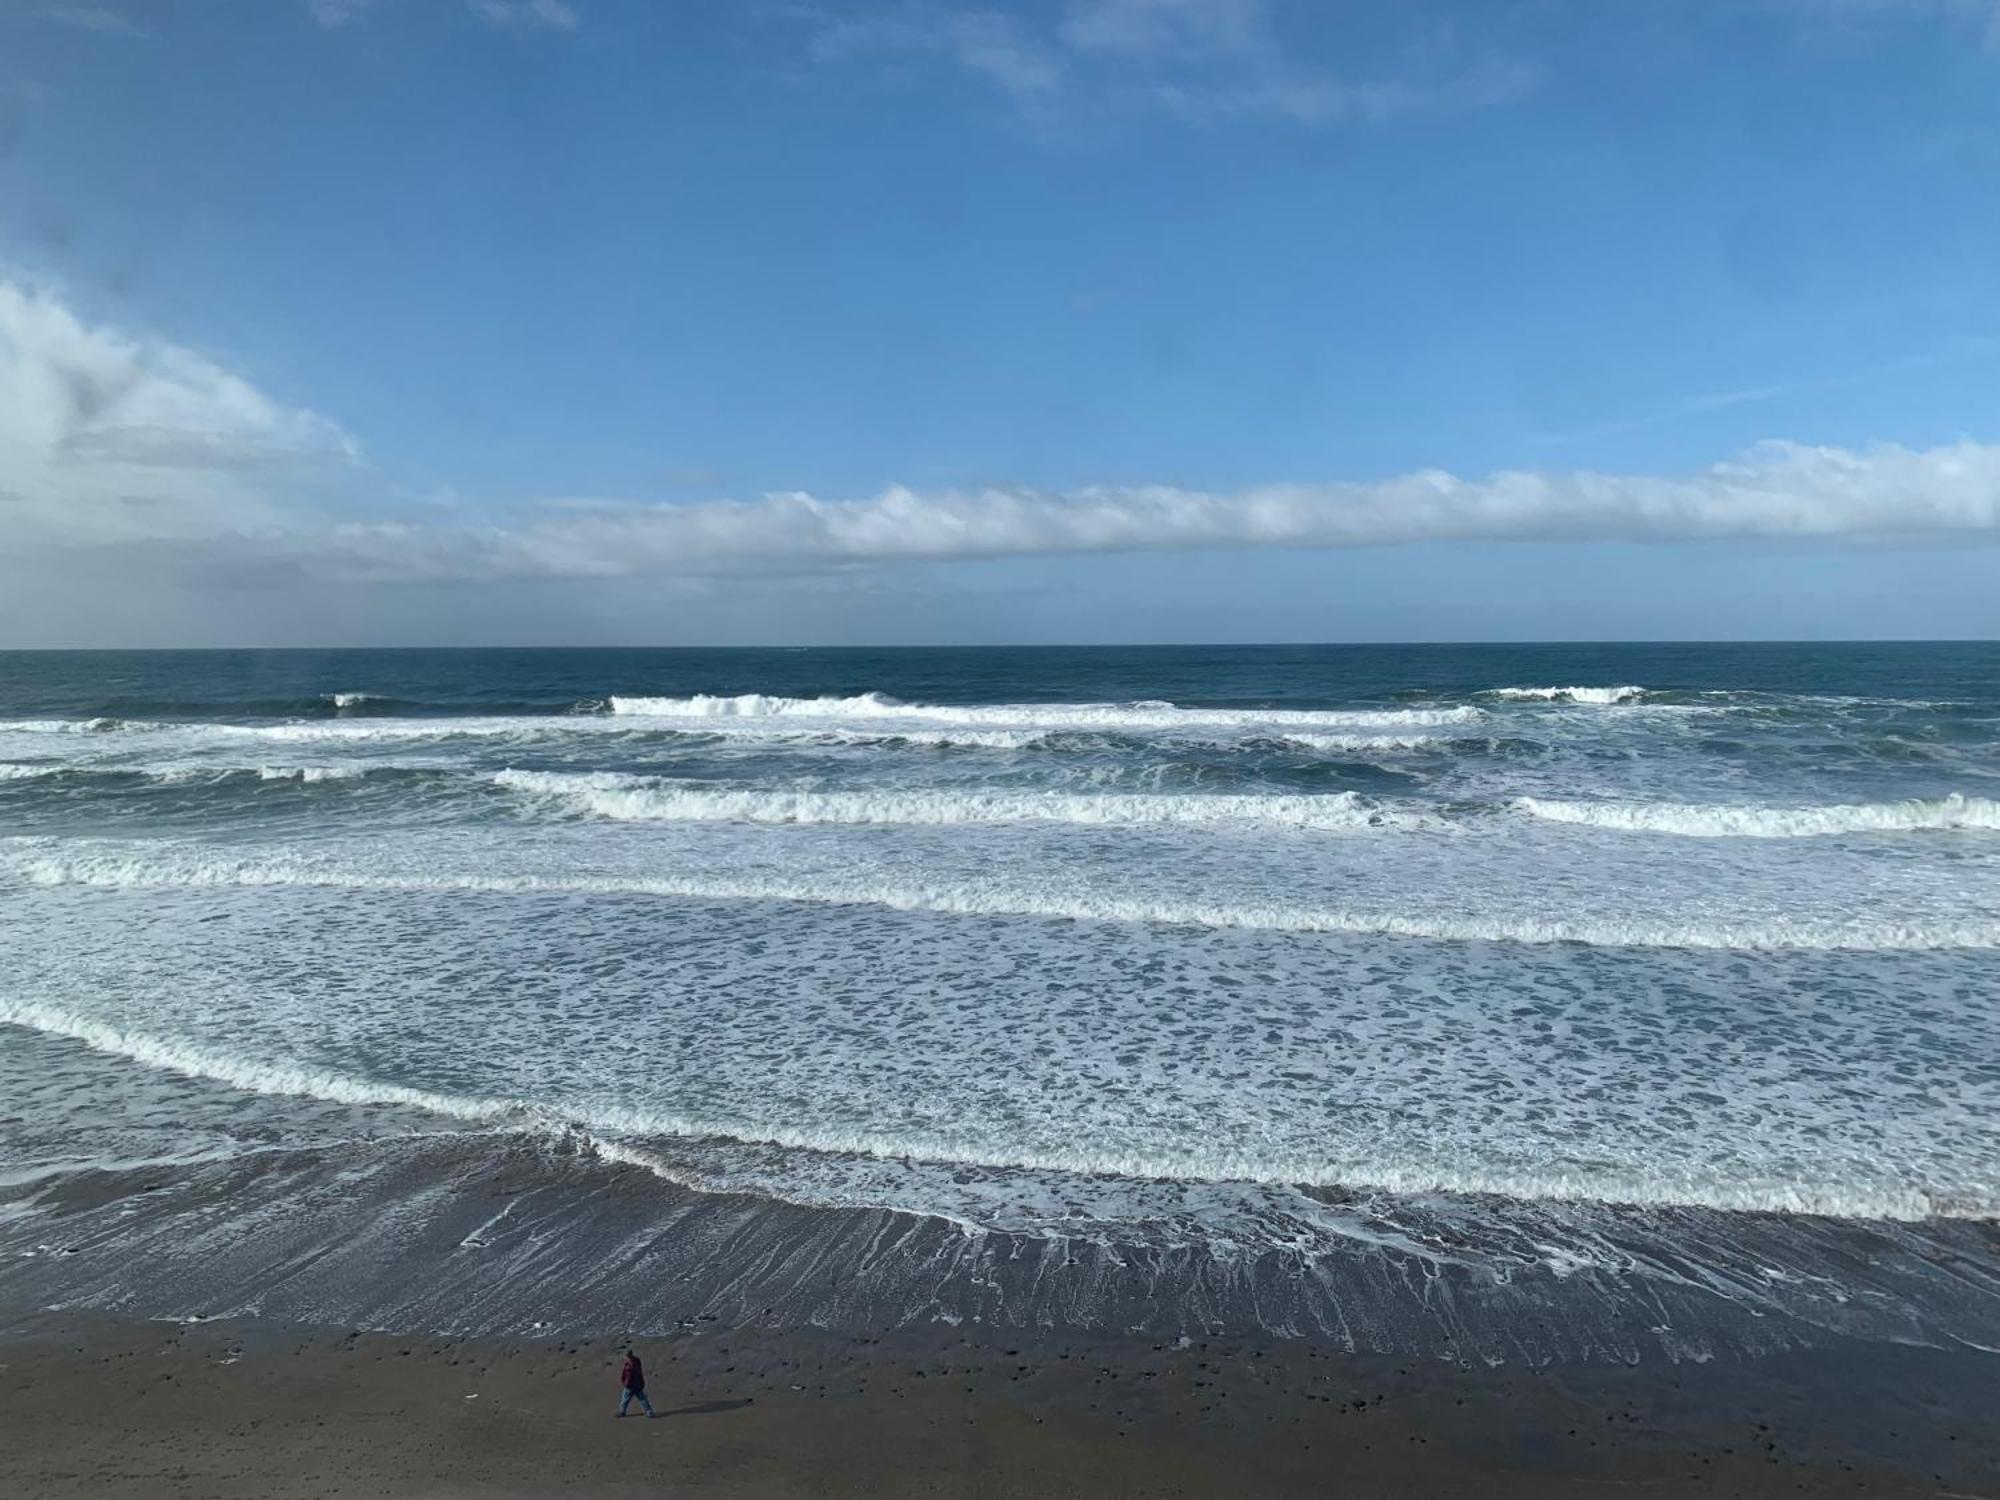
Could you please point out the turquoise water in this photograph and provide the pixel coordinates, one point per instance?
(1162, 943)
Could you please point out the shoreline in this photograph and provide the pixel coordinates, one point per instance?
(270, 1325)
(245, 1407)
(507, 1235)
(437, 1313)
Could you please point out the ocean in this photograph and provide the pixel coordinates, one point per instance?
(1400, 994)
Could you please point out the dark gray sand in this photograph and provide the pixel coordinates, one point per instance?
(99, 1405)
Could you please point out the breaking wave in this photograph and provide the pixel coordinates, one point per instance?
(1146, 714)
(1698, 821)
(615, 1131)
(99, 725)
(608, 794)
(1599, 695)
(195, 866)
(1026, 731)
(1342, 743)
(244, 1073)
(206, 774)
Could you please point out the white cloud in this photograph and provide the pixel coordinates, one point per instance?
(336, 13)
(105, 437)
(1979, 18)
(119, 447)
(1777, 489)
(988, 44)
(526, 15)
(97, 18)
(1197, 59)
(993, 45)
(513, 15)
(1166, 28)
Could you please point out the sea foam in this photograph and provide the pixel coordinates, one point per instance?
(642, 798)
(200, 866)
(1691, 820)
(1593, 695)
(1143, 715)
(621, 1133)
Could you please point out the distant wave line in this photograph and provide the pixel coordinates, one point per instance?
(1144, 714)
(1001, 732)
(1594, 695)
(644, 798)
(198, 773)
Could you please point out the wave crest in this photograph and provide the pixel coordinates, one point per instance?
(1146, 714)
(196, 866)
(614, 1131)
(201, 773)
(1594, 695)
(1691, 820)
(622, 797)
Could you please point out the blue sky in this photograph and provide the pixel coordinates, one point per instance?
(577, 320)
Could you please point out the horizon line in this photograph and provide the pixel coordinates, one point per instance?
(1991, 640)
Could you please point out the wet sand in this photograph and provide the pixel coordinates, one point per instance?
(95, 1404)
(804, 1351)
(505, 1235)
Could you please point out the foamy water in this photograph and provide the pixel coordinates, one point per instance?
(1068, 945)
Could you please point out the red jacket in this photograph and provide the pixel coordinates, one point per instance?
(633, 1376)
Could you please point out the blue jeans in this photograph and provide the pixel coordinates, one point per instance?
(629, 1397)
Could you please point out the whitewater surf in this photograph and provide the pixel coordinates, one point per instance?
(1634, 996)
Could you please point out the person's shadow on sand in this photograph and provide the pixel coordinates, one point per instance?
(708, 1408)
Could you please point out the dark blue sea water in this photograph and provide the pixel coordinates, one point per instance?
(1181, 947)
(232, 684)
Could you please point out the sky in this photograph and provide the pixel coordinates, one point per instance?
(572, 322)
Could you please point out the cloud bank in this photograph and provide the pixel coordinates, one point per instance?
(117, 444)
(1778, 489)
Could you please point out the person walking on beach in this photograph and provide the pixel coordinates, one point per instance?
(633, 1378)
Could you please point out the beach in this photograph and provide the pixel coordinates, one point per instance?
(1068, 748)
(806, 1351)
(99, 1405)
(1193, 1070)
